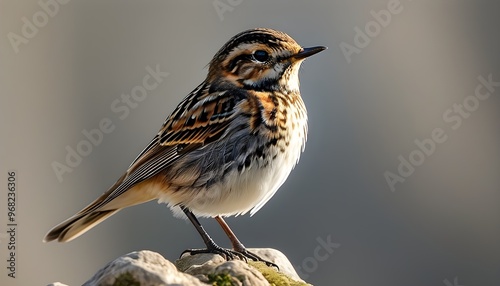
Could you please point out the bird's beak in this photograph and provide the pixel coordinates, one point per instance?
(307, 52)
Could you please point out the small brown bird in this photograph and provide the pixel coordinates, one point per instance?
(226, 148)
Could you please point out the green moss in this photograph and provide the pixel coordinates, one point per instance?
(274, 277)
(126, 279)
(220, 279)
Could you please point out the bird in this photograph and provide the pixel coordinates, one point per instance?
(225, 149)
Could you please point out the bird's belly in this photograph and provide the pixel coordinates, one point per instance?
(241, 191)
(244, 190)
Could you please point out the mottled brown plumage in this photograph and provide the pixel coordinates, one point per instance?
(226, 148)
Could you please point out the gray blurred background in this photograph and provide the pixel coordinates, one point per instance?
(367, 105)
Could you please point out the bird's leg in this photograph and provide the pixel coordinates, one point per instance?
(212, 247)
(238, 247)
(235, 242)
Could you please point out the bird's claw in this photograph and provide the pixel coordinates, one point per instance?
(230, 254)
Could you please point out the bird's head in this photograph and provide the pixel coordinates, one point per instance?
(260, 59)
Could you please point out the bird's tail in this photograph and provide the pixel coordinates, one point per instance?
(77, 225)
(103, 207)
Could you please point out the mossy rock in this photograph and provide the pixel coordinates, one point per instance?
(220, 279)
(126, 279)
(274, 277)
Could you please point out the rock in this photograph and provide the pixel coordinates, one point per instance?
(150, 268)
(211, 268)
(142, 268)
(278, 258)
(201, 264)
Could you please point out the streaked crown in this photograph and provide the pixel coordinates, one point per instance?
(260, 59)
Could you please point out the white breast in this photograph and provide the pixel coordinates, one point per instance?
(249, 190)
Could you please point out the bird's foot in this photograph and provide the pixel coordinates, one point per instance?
(230, 254)
(255, 257)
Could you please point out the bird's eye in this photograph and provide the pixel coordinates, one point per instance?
(260, 56)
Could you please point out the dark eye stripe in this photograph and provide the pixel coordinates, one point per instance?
(258, 56)
(235, 61)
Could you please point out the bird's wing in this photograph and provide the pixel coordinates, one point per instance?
(199, 119)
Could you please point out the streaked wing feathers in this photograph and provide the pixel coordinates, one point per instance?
(205, 121)
(199, 119)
